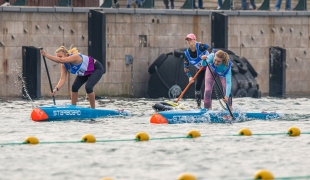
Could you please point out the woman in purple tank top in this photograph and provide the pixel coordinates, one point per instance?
(87, 69)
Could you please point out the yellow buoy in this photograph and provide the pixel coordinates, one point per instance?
(187, 176)
(107, 178)
(193, 134)
(31, 140)
(263, 175)
(245, 132)
(89, 138)
(293, 131)
(142, 136)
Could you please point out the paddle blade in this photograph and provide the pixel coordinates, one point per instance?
(38, 114)
(158, 119)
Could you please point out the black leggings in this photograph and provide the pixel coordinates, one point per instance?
(91, 79)
(199, 80)
(198, 83)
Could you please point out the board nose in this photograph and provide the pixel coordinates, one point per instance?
(158, 119)
(38, 114)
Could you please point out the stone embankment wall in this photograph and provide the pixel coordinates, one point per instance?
(250, 35)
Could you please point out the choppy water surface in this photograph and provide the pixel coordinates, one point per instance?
(216, 155)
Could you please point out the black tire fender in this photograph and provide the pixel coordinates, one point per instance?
(234, 85)
(242, 66)
(250, 67)
(179, 52)
(161, 58)
(234, 67)
(241, 93)
(254, 93)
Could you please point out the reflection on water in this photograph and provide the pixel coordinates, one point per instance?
(215, 155)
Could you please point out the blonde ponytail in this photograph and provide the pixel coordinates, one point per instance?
(67, 52)
(73, 51)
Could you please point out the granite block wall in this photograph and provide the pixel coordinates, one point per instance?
(249, 35)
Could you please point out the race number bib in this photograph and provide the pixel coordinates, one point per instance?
(198, 65)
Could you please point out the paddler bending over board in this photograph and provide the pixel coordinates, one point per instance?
(220, 65)
(85, 67)
(193, 56)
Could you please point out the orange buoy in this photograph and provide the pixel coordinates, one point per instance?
(158, 119)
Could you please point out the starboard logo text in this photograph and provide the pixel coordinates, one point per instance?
(67, 113)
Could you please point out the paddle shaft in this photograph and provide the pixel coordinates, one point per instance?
(189, 84)
(223, 96)
(49, 79)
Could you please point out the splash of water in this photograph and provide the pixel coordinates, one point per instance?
(20, 83)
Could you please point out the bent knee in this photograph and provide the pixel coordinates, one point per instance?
(75, 89)
(89, 90)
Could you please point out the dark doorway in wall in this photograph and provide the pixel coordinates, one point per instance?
(277, 72)
(97, 36)
(31, 72)
(219, 30)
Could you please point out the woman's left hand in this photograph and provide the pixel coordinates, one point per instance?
(203, 57)
(54, 92)
(42, 52)
(225, 99)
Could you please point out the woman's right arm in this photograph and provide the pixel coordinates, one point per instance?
(62, 80)
(186, 68)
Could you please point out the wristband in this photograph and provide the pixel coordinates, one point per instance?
(204, 62)
(188, 74)
(56, 88)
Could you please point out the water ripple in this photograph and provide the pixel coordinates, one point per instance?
(215, 155)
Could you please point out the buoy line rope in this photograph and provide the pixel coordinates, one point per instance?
(280, 178)
(143, 136)
(83, 141)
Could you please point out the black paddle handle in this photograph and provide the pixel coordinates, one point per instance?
(223, 96)
(48, 76)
